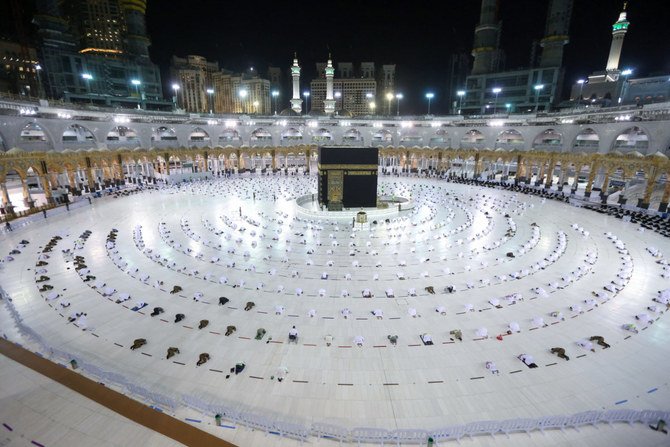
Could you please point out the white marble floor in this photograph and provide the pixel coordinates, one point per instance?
(241, 239)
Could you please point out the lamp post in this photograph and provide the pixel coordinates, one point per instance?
(429, 96)
(210, 94)
(306, 95)
(338, 96)
(496, 91)
(243, 95)
(537, 88)
(88, 78)
(175, 88)
(398, 97)
(581, 88)
(460, 94)
(38, 69)
(627, 72)
(136, 83)
(389, 97)
(275, 93)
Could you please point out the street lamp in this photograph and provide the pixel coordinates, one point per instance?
(210, 92)
(389, 96)
(175, 87)
(373, 106)
(338, 95)
(627, 72)
(275, 93)
(429, 96)
(398, 97)
(537, 88)
(460, 94)
(243, 95)
(496, 91)
(38, 68)
(306, 95)
(137, 83)
(256, 107)
(581, 87)
(88, 78)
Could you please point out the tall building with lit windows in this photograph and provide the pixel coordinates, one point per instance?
(96, 51)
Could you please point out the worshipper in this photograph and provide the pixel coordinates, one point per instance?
(513, 328)
(393, 339)
(345, 312)
(600, 340)
(203, 324)
(426, 339)
(469, 307)
(586, 344)
(558, 315)
(538, 322)
(260, 333)
(293, 335)
(660, 426)
(430, 290)
(630, 327)
(378, 313)
(179, 317)
(482, 332)
(279, 310)
(140, 305)
(328, 339)
(441, 310)
(495, 302)
(223, 301)
(527, 360)
(644, 318)
(412, 312)
(367, 293)
(492, 367)
(560, 352)
(358, 340)
(281, 373)
(230, 330)
(250, 305)
(197, 296)
(138, 343)
(171, 352)
(202, 359)
(157, 311)
(175, 289)
(457, 334)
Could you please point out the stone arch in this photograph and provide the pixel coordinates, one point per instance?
(632, 139)
(410, 137)
(473, 138)
(291, 134)
(198, 135)
(122, 134)
(321, 135)
(440, 138)
(163, 133)
(587, 140)
(229, 136)
(33, 132)
(510, 139)
(382, 136)
(548, 140)
(260, 134)
(76, 133)
(352, 136)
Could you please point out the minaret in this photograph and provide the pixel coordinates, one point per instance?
(329, 102)
(296, 102)
(556, 33)
(619, 30)
(487, 34)
(137, 40)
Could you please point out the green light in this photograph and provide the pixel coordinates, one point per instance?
(620, 25)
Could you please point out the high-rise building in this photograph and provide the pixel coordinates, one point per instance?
(488, 89)
(356, 90)
(204, 87)
(96, 51)
(19, 74)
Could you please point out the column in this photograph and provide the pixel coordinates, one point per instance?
(6, 203)
(540, 174)
(47, 189)
(550, 174)
(663, 207)
(592, 175)
(651, 181)
(27, 199)
(605, 186)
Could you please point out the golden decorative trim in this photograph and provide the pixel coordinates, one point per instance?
(346, 166)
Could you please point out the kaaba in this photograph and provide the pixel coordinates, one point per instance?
(348, 177)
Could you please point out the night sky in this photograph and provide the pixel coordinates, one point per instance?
(417, 36)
